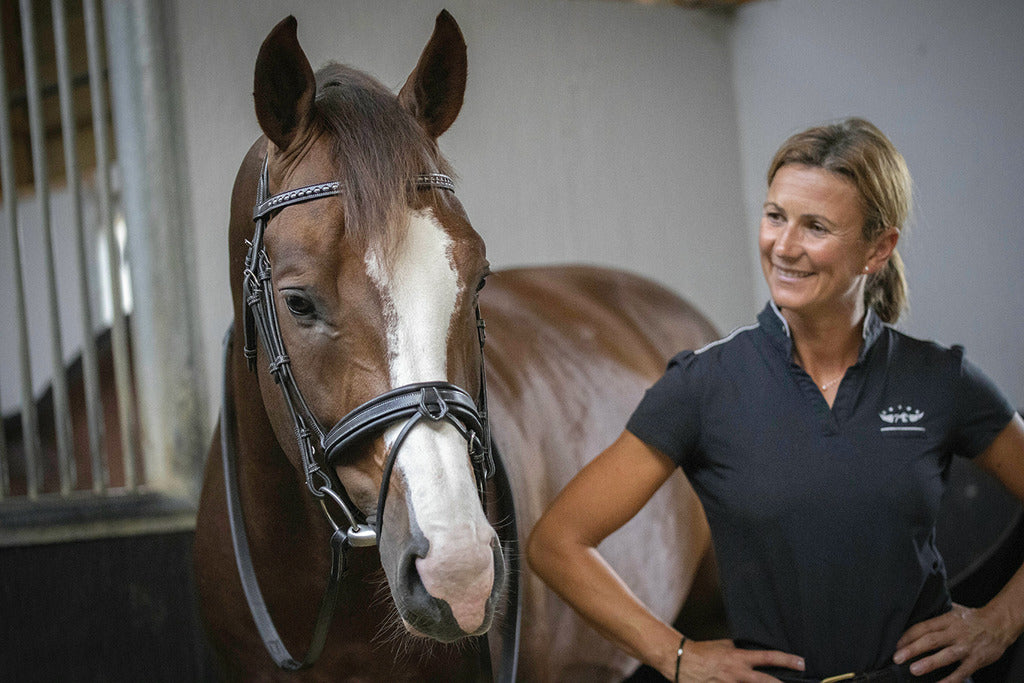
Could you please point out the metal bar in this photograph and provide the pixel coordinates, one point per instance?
(5, 476)
(11, 216)
(37, 136)
(12, 195)
(90, 365)
(172, 405)
(78, 80)
(127, 416)
(29, 420)
(53, 518)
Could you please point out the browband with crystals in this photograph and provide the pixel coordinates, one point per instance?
(305, 194)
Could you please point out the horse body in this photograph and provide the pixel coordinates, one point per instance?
(375, 291)
(570, 351)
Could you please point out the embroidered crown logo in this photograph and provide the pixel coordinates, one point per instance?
(901, 415)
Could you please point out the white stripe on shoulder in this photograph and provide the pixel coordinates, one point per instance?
(729, 337)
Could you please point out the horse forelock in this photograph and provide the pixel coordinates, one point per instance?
(379, 149)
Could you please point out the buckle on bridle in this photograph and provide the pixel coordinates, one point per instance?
(442, 407)
(480, 455)
(357, 536)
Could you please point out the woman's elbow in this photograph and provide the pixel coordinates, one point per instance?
(542, 546)
(548, 548)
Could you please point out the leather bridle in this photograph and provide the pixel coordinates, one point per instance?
(434, 401)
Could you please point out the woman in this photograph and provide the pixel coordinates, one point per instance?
(817, 440)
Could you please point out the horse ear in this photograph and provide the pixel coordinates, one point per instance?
(284, 86)
(434, 90)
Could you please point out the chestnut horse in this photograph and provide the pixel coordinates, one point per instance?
(363, 283)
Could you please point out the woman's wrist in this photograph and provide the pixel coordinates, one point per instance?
(679, 657)
(661, 652)
(1008, 621)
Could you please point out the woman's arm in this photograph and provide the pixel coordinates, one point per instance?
(977, 637)
(562, 549)
(606, 494)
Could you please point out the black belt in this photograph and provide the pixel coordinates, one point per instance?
(897, 673)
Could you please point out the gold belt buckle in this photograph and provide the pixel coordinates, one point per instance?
(840, 677)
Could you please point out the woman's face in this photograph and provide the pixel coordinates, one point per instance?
(813, 252)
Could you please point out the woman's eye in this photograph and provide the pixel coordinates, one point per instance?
(299, 306)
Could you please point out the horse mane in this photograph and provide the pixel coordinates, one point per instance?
(379, 149)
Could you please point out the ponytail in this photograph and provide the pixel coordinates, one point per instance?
(886, 290)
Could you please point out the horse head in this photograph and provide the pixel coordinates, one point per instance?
(372, 289)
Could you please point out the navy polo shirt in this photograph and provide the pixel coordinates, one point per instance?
(823, 519)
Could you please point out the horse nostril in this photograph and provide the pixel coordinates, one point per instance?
(421, 611)
(409, 575)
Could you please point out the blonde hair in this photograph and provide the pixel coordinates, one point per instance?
(857, 150)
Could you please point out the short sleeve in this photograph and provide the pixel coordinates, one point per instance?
(668, 417)
(982, 410)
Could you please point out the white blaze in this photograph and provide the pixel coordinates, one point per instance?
(420, 289)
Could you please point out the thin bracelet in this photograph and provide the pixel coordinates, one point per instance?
(679, 657)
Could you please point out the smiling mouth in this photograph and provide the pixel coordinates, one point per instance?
(786, 272)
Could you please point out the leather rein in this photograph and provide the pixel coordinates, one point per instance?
(433, 401)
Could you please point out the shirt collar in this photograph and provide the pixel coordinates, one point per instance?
(873, 327)
(777, 329)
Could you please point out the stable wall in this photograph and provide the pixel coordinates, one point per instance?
(637, 135)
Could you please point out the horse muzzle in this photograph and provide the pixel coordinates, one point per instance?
(449, 593)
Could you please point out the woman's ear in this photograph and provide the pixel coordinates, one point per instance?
(881, 249)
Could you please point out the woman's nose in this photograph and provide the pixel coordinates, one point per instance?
(787, 241)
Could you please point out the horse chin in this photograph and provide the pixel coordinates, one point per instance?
(445, 632)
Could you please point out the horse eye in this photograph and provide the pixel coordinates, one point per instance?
(299, 306)
(483, 279)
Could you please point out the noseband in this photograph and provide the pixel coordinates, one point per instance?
(435, 401)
